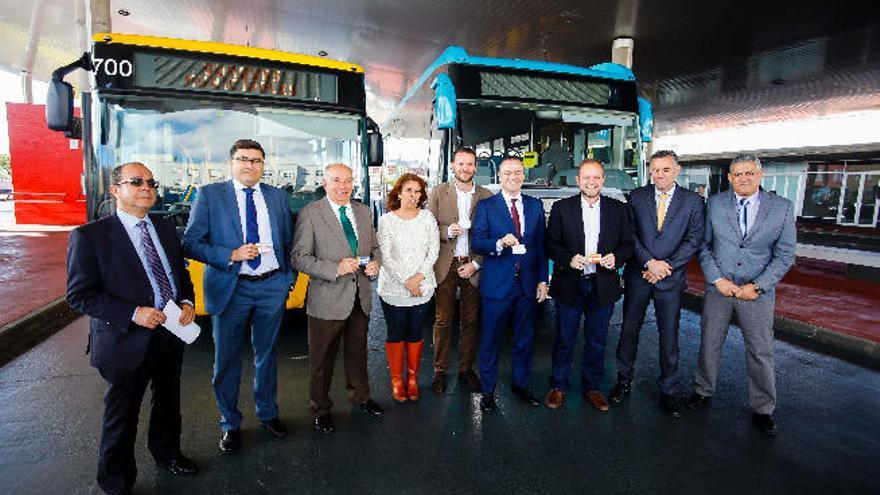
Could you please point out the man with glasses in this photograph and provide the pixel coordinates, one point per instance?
(749, 246)
(122, 270)
(242, 230)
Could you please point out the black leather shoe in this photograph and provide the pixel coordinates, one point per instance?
(696, 401)
(525, 395)
(438, 384)
(324, 424)
(179, 466)
(670, 405)
(230, 442)
(487, 403)
(471, 379)
(765, 424)
(275, 427)
(372, 408)
(619, 392)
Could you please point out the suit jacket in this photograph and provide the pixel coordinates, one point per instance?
(318, 245)
(676, 243)
(107, 281)
(492, 221)
(565, 238)
(215, 230)
(766, 253)
(443, 203)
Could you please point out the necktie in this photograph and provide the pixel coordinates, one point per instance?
(154, 263)
(744, 216)
(349, 231)
(252, 227)
(514, 213)
(661, 210)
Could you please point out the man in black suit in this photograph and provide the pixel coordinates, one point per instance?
(121, 271)
(668, 223)
(588, 238)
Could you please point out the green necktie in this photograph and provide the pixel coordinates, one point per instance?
(349, 230)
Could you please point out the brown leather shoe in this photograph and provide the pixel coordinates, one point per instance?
(555, 399)
(597, 400)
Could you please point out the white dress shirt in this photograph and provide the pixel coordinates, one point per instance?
(129, 223)
(268, 261)
(669, 194)
(592, 225)
(348, 213)
(464, 200)
(753, 202)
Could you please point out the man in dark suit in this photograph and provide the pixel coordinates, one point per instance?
(589, 238)
(121, 272)
(242, 230)
(750, 242)
(336, 246)
(668, 223)
(508, 230)
(453, 205)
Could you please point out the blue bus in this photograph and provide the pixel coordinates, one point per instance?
(551, 115)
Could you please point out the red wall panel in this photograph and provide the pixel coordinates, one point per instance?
(46, 170)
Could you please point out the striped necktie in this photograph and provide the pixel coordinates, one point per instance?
(744, 216)
(154, 263)
(661, 210)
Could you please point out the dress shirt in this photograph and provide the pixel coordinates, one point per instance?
(268, 261)
(522, 216)
(129, 222)
(592, 225)
(348, 213)
(753, 202)
(669, 194)
(463, 200)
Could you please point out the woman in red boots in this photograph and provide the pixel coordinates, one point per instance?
(410, 241)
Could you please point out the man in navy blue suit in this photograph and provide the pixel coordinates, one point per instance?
(508, 229)
(121, 272)
(668, 222)
(588, 238)
(242, 230)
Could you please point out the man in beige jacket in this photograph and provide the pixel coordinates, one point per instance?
(334, 243)
(453, 205)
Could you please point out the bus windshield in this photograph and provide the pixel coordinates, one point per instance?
(186, 144)
(552, 143)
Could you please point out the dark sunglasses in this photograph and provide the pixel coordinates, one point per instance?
(138, 182)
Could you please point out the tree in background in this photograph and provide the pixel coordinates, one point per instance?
(5, 167)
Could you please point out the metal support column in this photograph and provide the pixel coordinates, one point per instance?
(30, 52)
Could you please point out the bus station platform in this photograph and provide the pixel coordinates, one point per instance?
(828, 411)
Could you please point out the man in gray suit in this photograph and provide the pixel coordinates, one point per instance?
(749, 246)
(335, 245)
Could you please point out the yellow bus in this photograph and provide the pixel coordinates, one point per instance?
(178, 105)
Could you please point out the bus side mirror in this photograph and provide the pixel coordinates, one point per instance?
(59, 106)
(375, 146)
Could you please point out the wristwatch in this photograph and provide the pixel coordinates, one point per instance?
(758, 288)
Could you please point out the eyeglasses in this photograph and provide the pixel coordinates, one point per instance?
(243, 159)
(139, 181)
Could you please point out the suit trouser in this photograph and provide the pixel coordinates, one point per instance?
(469, 318)
(568, 318)
(667, 308)
(324, 339)
(756, 323)
(259, 305)
(520, 307)
(122, 403)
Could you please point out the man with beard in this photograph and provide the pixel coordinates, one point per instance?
(453, 205)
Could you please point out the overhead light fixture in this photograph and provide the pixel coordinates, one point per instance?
(123, 12)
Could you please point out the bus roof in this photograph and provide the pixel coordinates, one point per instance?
(224, 49)
(458, 55)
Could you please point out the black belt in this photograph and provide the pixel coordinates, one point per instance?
(588, 276)
(259, 278)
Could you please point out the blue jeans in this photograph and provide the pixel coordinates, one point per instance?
(404, 323)
(568, 318)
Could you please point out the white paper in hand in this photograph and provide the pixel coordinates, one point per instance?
(188, 333)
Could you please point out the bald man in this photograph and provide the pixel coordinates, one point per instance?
(336, 246)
